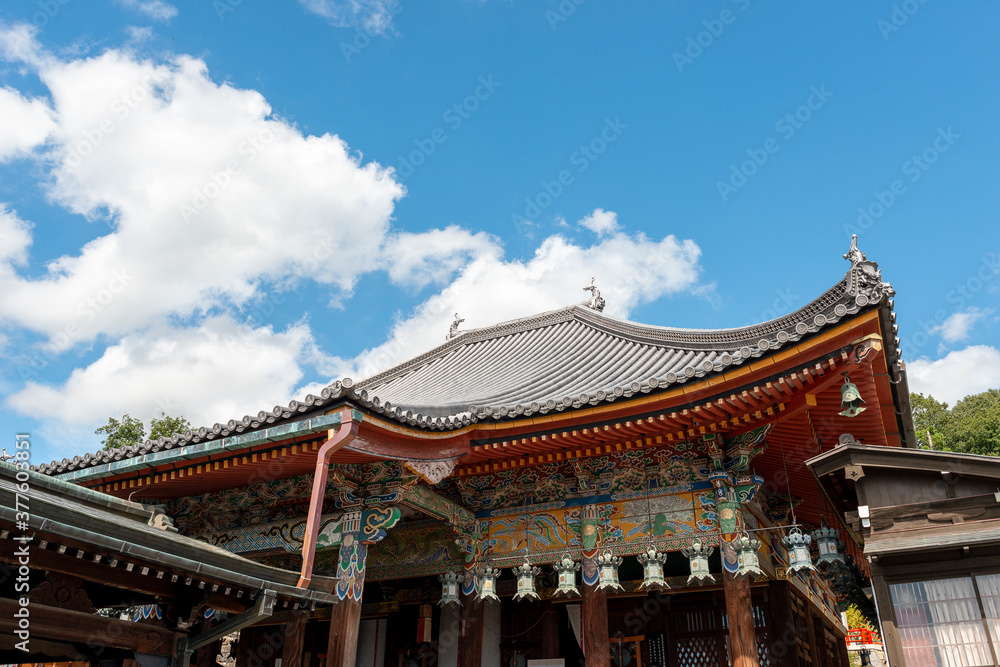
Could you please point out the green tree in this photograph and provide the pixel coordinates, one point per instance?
(971, 426)
(122, 433)
(975, 424)
(165, 426)
(930, 420)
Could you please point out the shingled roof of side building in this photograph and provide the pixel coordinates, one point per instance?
(562, 360)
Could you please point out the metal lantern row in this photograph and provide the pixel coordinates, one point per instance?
(828, 542)
(799, 557)
(698, 558)
(607, 571)
(449, 589)
(748, 560)
(487, 584)
(526, 574)
(566, 576)
(652, 569)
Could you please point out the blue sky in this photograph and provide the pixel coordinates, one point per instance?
(209, 208)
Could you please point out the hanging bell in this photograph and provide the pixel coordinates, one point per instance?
(828, 542)
(607, 571)
(526, 574)
(747, 558)
(487, 584)
(652, 569)
(566, 573)
(698, 558)
(799, 557)
(850, 399)
(449, 589)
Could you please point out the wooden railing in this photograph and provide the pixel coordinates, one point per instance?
(862, 636)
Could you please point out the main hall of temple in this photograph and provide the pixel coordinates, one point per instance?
(564, 489)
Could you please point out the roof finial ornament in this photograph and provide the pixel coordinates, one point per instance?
(864, 279)
(453, 329)
(595, 301)
(855, 255)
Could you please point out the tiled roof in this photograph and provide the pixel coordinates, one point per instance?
(560, 360)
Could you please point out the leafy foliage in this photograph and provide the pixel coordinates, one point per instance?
(129, 430)
(122, 433)
(165, 426)
(971, 426)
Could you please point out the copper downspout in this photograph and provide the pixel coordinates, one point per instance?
(337, 439)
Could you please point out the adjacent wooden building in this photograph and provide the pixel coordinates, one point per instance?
(569, 435)
(929, 522)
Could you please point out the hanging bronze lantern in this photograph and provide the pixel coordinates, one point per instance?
(607, 571)
(747, 557)
(526, 574)
(828, 542)
(566, 571)
(850, 399)
(449, 589)
(652, 569)
(487, 584)
(698, 558)
(799, 557)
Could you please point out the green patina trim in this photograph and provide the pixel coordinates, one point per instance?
(197, 450)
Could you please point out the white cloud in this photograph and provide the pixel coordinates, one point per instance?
(961, 373)
(958, 326)
(601, 222)
(212, 201)
(629, 270)
(154, 9)
(234, 197)
(374, 16)
(217, 371)
(138, 34)
(434, 256)
(25, 124)
(15, 239)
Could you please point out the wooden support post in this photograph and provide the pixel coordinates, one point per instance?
(786, 631)
(594, 619)
(739, 611)
(205, 656)
(295, 639)
(550, 631)
(345, 622)
(887, 617)
(470, 641)
(244, 650)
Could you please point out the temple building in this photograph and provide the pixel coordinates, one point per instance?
(568, 488)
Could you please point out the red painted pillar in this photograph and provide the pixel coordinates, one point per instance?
(470, 641)
(594, 619)
(739, 610)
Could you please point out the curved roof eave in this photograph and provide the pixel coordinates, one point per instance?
(860, 290)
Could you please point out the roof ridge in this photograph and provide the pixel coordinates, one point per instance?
(708, 351)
